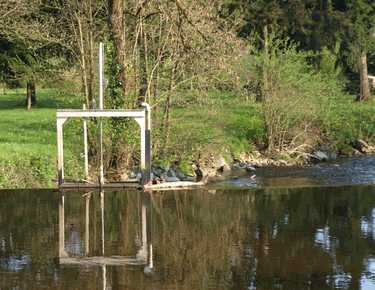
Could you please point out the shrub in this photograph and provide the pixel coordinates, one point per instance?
(295, 97)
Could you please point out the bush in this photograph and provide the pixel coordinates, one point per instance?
(295, 97)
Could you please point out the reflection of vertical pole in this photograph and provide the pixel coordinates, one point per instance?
(104, 268)
(104, 272)
(85, 146)
(144, 230)
(151, 259)
(102, 218)
(87, 225)
(61, 227)
(101, 107)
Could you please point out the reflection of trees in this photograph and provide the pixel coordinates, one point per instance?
(264, 238)
(297, 239)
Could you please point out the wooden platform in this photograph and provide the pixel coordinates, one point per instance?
(179, 185)
(174, 185)
(85, 185)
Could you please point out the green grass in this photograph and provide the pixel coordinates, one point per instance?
(28, 139)
(220, 122)
(349, 120)
(224, 124)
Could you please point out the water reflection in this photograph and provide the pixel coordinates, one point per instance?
(70, 248)
(311, 238)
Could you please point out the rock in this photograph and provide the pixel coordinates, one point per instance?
(188, 178)
(198, 172)
(244, 165)
(171, 179)
(220, 164)
(320, 156)
(158, 171)
(249, 167)
(363, 147)
(332, 155)
(133, 175)
(180, 175)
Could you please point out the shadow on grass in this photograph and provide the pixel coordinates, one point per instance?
(45, 100)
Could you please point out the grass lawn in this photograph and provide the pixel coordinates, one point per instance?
(218, 123)
(28, 139)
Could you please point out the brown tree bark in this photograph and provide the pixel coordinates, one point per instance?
(363, 74)
(142, 68)
(30, 94)
(116, 23)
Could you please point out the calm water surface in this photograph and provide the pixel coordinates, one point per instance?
(307, 238)
(252, 238)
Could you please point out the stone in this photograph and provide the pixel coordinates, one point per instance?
(362, 146)
(320, 156)
(171, 179)
(158, 171)
(220, 164)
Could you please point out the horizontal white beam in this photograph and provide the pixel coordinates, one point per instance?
(100, 114)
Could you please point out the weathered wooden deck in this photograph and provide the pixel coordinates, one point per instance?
(84, 185)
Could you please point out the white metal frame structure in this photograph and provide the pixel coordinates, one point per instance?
(141, 116)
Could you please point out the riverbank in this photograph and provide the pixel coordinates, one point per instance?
(213, 132)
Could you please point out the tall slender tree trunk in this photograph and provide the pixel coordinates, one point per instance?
(83, 60)
(363, 73)
(260, 97)
(167, 109)
(30, 94)
(91, 53)
(116, 23)
(142, 66)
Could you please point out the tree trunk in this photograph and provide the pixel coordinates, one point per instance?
(363, 74)
(260, 97)
(83, 59)
(142, 67)
(91, 53)
(30, 94)
(116, 23)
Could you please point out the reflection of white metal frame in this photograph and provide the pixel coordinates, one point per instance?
(142, 117)
(141, 258)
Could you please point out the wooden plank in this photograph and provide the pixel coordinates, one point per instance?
(78, 185)
(174, 185)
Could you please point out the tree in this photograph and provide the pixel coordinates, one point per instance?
(27, 39)
(116, 23)
(358, 27)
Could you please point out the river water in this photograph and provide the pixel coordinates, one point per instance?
(311, 228)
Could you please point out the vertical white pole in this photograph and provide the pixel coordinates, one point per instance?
(60, 150)
(85, 147)
(146, 145)
(101, 107)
